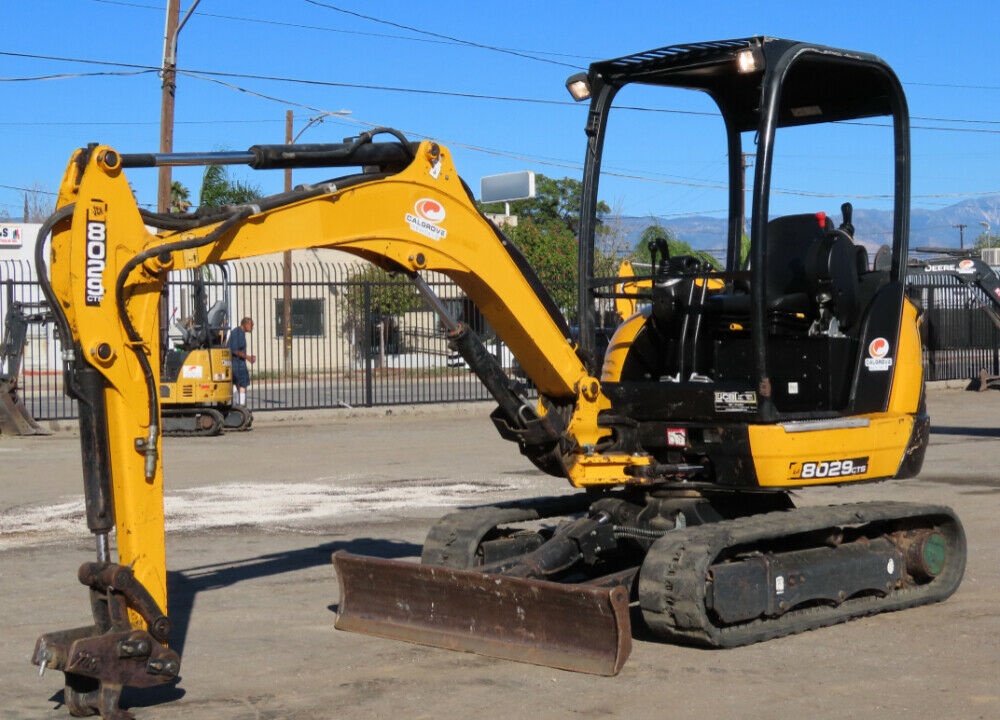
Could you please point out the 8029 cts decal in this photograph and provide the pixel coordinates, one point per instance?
(828, 468)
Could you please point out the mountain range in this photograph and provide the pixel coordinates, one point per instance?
(928, 228)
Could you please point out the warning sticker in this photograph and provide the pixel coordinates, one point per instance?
(192, 372)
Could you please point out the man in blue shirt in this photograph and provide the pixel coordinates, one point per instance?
(238, 348)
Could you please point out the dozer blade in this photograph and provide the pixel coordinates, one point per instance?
(15, 418)
(583, 628)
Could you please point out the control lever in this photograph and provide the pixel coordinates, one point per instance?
(847, 212)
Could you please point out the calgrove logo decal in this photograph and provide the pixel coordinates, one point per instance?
(424, 219)
(878, 359)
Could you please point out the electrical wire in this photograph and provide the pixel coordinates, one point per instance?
(206, 74)
(439, 36)
(431, 39)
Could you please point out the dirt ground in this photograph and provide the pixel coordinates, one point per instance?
(253, 518)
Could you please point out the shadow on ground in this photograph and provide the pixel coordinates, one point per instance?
(183, 586)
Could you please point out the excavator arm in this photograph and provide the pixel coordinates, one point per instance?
(408, 212)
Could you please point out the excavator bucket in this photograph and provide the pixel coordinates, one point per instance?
(583, 628)
(15, 419)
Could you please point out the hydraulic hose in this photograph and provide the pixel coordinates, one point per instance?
(136, 339)
(41, 268)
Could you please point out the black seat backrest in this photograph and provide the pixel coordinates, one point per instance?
(833, 267)
(789, 240)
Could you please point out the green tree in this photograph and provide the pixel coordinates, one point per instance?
(550, 247)
(675, 245)
(987, 240)
(179, 195)
(217, 189)
(390, 296)
(554, 200)
(546, 233)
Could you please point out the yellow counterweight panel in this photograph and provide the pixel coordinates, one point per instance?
(791, 455)
(206, 377)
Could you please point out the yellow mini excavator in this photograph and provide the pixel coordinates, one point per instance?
(799, 366)
(196, 379)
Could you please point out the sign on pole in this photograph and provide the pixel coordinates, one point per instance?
(507, 187)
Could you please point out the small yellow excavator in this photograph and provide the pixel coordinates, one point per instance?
(196, 379)
(728, 389)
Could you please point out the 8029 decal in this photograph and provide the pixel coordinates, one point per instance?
(819, 469)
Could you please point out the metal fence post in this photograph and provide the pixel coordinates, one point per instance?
(366, 343)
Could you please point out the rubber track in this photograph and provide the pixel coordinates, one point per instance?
(672, 581)
(238, 419)
(174, 423)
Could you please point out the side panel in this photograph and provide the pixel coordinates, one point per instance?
(792, 455)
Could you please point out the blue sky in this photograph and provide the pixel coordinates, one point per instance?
(485, 79)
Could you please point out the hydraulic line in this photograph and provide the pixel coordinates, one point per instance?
(136, 340)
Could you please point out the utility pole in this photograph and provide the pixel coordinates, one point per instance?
(286, 265)
(168, 75)
(961, 235)
(286, 257)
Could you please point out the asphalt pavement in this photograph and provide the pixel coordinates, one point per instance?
(254, 517)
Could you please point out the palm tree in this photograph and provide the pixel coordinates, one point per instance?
(179, 194)
(217, 189)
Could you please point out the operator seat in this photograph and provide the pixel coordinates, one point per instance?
(811, 270)
(834, 265)
(791, 262)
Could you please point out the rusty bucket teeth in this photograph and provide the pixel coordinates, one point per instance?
(582, 628)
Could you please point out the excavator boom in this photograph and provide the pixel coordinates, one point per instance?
(409, 212)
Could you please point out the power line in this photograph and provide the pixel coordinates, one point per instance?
(73, 76)
(116, 123)
(300, 26)
(207, 74)
(439, 36)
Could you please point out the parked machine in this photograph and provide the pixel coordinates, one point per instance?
(196, 378)
(727, 391)
(15, 418)
(968, 269)
(979, 280)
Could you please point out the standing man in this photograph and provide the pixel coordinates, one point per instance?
(238, 348)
